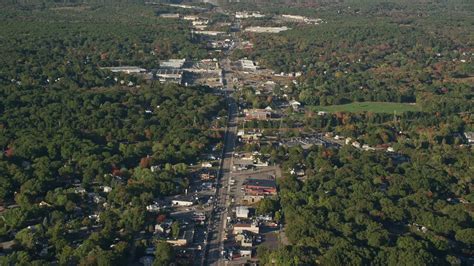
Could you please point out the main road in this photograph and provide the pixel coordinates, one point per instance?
(218, 220)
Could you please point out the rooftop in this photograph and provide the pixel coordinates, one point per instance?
(242, 211)
(259, 29)
(261, 183)
(173, 63)
(126, 69)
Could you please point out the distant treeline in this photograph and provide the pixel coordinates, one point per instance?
(48, 3)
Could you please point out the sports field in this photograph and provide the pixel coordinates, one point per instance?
(374, 107)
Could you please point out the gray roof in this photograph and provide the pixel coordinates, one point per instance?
(261, 183)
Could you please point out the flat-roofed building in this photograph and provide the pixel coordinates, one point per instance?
(172, 63)
(209, 32)
(257, 114)
(169, 15)
(251, 199)
(191, 17)
(170, 75)
(242, 212)
(248, 65)
(259, 29)
(240, 228)
(244, 14)
(126, 69)
(260, 187)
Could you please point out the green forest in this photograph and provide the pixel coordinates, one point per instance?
(69, 129)
(359, 208)
(375, 51)
(389, 74)
(85, 150)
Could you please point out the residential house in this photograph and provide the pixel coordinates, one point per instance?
(206, 165)
(186, 236)
(295, 105)
(164, 227)
(322, 113)
(154, 207)
(356, 144)
(469, 137)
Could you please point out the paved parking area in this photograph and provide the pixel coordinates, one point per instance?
(267, 172)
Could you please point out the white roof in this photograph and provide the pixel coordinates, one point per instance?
(267, 29)
(242, 211)
(173, 63)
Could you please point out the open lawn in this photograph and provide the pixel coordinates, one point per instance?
(375, 107)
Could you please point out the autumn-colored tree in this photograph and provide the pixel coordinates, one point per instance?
(145, 162)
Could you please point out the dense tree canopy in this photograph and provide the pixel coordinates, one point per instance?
(85, 150)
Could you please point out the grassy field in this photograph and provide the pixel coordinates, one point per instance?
(374, 107)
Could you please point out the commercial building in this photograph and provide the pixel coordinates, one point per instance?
(191, 17)
(187, 7)
(172, 63)
(183, 201)
(294, 17)
(246, 253)
(257, 114)
(244, 14)
(170, 75)
(126, 69)
(248, 65)
(240, 228)
(209, 32)
(260, 187)
(169, 15)
(303, 19)
(251, 199)
(258, 29)
(242, 212)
